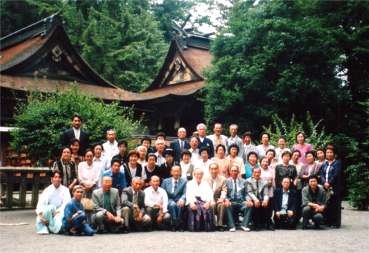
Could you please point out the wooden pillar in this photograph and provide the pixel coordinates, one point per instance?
(23, 189)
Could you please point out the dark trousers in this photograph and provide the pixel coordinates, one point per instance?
(285, 222)
(154, 213)
(233, 213)
(332, 213)
(308, 213)
(260, 216)
(176, 213)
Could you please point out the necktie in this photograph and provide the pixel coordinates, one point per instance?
(235, 189)
(135, 197)
(175, 185)
(257, 189)
(181, 144)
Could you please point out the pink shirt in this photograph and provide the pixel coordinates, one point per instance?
(303, 149)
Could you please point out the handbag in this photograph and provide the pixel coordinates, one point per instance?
(88, 204)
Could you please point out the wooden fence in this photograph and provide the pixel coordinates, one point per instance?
(18, 183)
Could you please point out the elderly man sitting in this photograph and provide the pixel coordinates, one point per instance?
(50, 206)
(156, 202)
(74, 220)
(133, 202)
(107, 217)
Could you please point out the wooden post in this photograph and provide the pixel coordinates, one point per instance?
(23, 189)
(35, 188)
(9, 189)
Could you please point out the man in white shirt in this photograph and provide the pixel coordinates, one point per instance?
(235, 139)
(160, 148)
(217, 138)
(50, 206)
(265, 145)
(248, 146)
(111, 145)
(156, 203)
(194, 149)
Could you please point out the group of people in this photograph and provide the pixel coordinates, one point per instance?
(204, 183)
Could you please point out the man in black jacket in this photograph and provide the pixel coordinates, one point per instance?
(285, 206)
(75, 133)
(180, 144)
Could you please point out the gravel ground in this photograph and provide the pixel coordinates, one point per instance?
(353, 236)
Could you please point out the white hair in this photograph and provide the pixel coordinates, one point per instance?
(200, 125)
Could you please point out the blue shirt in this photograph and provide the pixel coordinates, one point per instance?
(119, 179)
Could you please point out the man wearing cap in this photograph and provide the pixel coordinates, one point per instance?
(180, 144)
(132, 168)
(75, 220)
(166, 167)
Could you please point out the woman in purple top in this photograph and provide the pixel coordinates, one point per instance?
(302, 146)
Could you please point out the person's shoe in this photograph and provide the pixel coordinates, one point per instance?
(232, 230)
(220, 229)
(270, 227)
(246, 229)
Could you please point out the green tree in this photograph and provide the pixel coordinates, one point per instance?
(273, 59)
(43, 118)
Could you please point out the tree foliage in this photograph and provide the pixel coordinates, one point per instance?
(43, 118)
(315, 133)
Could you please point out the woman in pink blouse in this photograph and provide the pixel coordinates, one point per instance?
(220, 159)
(302, 146)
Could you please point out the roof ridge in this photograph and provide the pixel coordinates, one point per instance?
(41, 27)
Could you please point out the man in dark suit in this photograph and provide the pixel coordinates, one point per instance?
(180, 144)
(175, 187)
(75, 133)
(285, 206)
(204, 141)
(133, 202)
(330, 179)
(165, 168)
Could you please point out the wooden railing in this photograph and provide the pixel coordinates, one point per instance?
(22, 182)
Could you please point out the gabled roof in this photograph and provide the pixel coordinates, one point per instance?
(43, 49)
(187, 57)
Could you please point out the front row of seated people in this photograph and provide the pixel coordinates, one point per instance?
(201, 204)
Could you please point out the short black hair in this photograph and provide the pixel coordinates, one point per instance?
(261, 136)
(296, 150)
(247, 133)
(54, 172)
(311, 152)
(220, 146)
(161, 134)
(270, 150)
(233, 146)
(286, 153)
(152, 155)
(252, 153)
(94, 145)
(314, 177)
(120, 142)
(186, 152)
(115, 161)
(145, 138)
(76, 115)
(204, 149)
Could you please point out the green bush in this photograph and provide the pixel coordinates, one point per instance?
(357, 171)
(315, 134)
(44, 117)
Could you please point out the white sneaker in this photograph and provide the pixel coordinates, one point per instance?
(232, 230)
(246, 229)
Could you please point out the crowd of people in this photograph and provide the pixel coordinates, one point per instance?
(202, 183)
